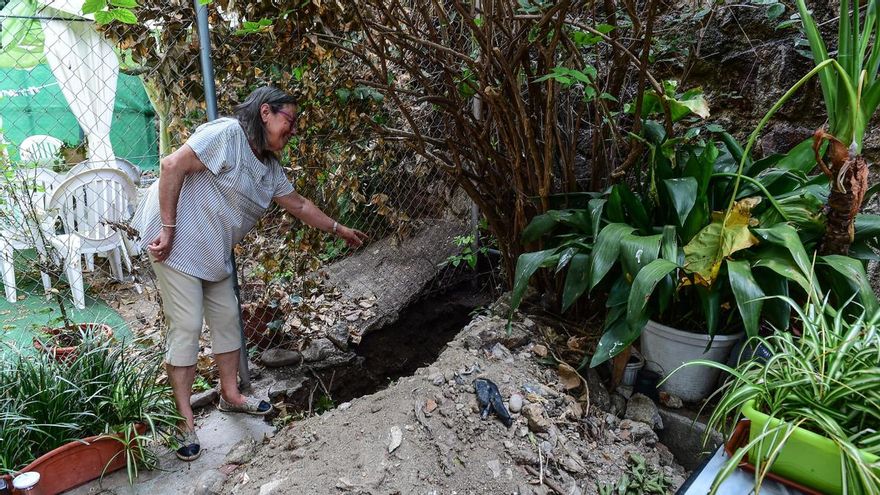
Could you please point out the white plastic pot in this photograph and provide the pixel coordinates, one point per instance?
(666, 348)
(632, 369)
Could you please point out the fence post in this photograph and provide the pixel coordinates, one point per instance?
(244, 375)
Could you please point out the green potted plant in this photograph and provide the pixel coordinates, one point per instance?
(814, 403)
(74, 420)
(682, 249)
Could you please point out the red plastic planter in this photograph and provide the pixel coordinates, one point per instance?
(65, 353)
(79, 462)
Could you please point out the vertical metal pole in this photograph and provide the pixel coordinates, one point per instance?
(477, 109)
(205, 56)
(244, 375)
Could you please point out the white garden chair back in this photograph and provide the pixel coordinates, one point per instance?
(40, 149)
(132, 170)
(89, 204)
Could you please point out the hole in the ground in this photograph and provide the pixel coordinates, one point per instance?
(415, 340)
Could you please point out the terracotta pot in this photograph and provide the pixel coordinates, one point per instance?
(256, 318)
(79, 462)
(68, 352)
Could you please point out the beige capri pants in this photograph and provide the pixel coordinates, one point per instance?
(187, 301)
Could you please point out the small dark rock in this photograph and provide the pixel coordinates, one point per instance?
(242, 452)
(641, 408)
(202, 399)
(286, 388)
(275, 358)
(599, 396)
(210, 483)
(339, 335)
(318, 350)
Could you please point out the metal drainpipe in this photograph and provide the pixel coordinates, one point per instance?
(244, 375)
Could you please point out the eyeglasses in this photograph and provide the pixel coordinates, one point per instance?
(290, 118)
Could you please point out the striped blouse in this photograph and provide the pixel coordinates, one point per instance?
(218, 206)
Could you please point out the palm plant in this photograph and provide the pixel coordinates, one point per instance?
(851, 90)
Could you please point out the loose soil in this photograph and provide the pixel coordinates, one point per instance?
(424, 433)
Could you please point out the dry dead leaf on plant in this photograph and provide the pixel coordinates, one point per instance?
(540, 350)
(569, 377)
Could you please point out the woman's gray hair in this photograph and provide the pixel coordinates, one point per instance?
(248, 115)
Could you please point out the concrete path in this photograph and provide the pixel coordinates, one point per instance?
(218, 432)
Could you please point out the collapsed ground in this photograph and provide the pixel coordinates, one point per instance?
(424, 432)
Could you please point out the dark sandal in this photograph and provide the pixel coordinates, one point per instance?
(250, 406)
(190, 449)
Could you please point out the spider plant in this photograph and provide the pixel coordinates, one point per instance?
(851, 90)
(826, 381)
(105, 389)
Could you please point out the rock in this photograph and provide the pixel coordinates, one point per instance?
(664, 455)
(338, 334)
(430, 406)
(636, 431)
(599, 396)
(472, 342)
(275, 358)
(395, 438)
(494, 467)
(625, 391)
(684, 437)
(286, 388)
(209, 483)
(203, 399)
(537, 420)
(540, 350)
(438, 379)
(318, 350)
(618, 405)
(641, 408)
(493, 330)
(344, 406)
(241, 452)
(270, 487)
(670, 401)
(501, 353)
(573, 463)
(515, 403)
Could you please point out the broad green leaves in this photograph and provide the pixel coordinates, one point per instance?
(107, 11)
(747, 293)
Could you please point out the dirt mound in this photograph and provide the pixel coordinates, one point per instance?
(424, 433)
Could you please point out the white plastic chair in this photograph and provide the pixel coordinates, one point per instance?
(87, 203)
(40, 149)
(20, 224)
(132, 170)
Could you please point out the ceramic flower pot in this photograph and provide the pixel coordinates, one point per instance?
(58, 346)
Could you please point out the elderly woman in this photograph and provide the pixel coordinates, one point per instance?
(210, 193)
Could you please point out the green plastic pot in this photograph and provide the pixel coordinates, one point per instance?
(806, 458)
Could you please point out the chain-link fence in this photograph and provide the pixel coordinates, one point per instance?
(88, 110)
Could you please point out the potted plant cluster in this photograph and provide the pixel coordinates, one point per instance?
(814, 403)
(687, 256)
(74, 420)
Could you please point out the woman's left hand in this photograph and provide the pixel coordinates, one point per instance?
(353, 238)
